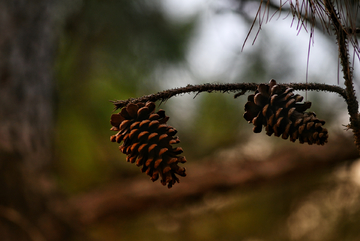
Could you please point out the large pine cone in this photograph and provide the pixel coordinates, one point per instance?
(147, 141)
(277, 108)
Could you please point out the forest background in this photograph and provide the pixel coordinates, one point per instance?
(70, 58)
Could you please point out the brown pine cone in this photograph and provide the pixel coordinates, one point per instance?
(147, 141)
(279, 110)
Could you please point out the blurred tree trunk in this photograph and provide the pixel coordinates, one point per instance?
(27, 47)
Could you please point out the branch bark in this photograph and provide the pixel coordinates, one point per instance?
(342, 41)
(242, 88)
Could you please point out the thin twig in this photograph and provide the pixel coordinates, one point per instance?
(234, 87)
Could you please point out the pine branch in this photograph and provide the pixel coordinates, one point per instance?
(342, 41)
(241, 88)
(167, 94)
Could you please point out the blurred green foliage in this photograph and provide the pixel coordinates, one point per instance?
(215, 124)
(107, 51)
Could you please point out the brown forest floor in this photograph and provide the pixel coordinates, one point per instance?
(132, 196)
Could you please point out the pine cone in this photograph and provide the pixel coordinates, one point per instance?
(147, 141)
(277, 108)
